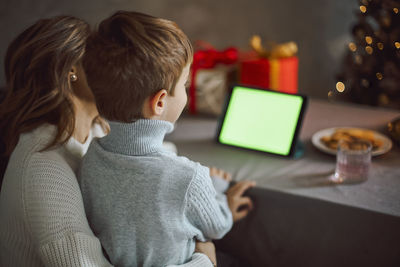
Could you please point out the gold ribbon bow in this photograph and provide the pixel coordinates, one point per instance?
(283, 50)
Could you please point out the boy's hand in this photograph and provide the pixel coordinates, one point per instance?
(208, 249)
(236, 200)
(215, 172)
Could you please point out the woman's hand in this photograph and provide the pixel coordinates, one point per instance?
(239, 205)
(208, 249)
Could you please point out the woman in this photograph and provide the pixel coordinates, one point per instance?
(47, 120)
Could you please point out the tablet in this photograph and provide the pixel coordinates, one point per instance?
(262, 120)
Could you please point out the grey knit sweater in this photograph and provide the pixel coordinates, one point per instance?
(147, 205)
(42, 219)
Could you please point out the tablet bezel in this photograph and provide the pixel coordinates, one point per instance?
(296, 132)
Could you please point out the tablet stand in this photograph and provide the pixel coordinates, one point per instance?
(298, 149)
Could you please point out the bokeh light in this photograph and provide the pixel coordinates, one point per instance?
(363, 9)
(340, 87)
(358, 59)
(383, 99)
(365, 82)
(352, 47)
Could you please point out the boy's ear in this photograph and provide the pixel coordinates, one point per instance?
(158, 102)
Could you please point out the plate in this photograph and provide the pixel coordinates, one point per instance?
(316, 140)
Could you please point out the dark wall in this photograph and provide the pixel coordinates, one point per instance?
(321, 28)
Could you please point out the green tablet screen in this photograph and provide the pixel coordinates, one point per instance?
(261, 120)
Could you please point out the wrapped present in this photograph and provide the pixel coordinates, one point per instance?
(210, 78)
(275, 68)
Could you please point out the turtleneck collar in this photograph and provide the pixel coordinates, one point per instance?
(141, 137)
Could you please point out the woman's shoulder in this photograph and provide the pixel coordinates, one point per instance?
(43, 133)
(30, 155)
(31, 146)
(43, 187)
(29, 160)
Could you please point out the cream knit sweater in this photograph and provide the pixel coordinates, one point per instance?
(42, 219)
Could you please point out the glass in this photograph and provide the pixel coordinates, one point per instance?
(353, 160)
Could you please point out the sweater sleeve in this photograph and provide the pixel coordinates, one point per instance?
(85, 250)
(205, 209)
(198, 260)
(56, 217)
(75, 249)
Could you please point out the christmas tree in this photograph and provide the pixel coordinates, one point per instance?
(371, 67)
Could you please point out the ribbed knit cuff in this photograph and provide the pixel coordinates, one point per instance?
(198, 260)
(74, 250)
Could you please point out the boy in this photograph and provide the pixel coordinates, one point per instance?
(140, 198)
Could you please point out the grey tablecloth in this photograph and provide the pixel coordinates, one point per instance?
(301, 218)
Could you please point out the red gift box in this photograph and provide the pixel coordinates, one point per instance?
(279, 74)
(208, 58)
(275, 67)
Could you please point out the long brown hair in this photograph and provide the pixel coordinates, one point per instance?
(37, 66)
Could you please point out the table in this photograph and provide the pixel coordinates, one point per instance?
(301, 219)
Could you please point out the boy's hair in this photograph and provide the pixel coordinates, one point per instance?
(131, 57)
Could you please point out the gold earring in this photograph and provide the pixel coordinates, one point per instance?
(73, 78)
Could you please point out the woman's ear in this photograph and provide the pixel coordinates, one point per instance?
(72, 75)
(79, 84)
(158, 103)
(73, 70)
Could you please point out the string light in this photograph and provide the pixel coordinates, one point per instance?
(340, 87)
(363, 9)
(383, 99)
(368, 39)
(397, 45)
(396, 10)
(386, 21)
(358, 59)
(379, 76)
(369, 49)
(380, 46)
(352, 47)
(365, 82)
